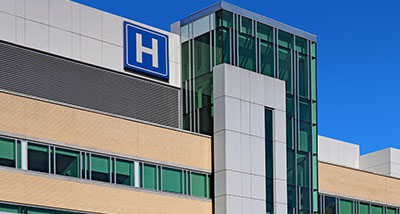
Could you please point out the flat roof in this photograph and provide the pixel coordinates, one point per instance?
(243, 12)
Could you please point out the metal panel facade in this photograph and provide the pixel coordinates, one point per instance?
(40, 75)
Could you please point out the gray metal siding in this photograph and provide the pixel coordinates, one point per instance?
(45, 76)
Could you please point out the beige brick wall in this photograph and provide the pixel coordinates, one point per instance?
(53, 122)
(358, 184)
(25, 188)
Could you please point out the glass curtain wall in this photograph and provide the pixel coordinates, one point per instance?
(226, 37)
(197, 88)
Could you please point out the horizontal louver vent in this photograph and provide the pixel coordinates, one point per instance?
(37, 74)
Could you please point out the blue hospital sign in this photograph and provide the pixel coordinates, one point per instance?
(146, 51)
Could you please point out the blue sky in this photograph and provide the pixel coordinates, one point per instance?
(358, 57)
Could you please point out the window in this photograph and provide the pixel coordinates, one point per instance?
(290, 106)
(267, 58)
(305, 140)
(269, 159)
(125, 172)
(285, 39)
(289, 133)
(270, 192)
(330, 205)
(269, 125)
(85, 165)
(67, 163)
(199, 185)
(314, 139)
(38, 211)
(149, 176)
(292, 199)
(291, 171)
(314, 78)
(346, 207)
(9, 208)
(203, 102)
(38, 157)
(315, 172)
(390, 211)
(364, 208)
(305, 110)
(247, 52)
(290, 114)
(316, 200)
(270, 195)
(201, 54)
(171, 180)
(264, 32)
(222, 46)
(285, 67)
(247, 26)
(301, 45)
(303, 169)
(100, 168)
(305, 200)
(224, 18)
(303, 76)
(314, 113)
(314, 49)
(270, 209)
(376, 209)
(185, 61)
(7, 152)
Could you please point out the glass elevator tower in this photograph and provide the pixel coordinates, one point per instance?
(223, 33)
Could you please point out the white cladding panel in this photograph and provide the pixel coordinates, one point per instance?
(385, 162)
(338, 152)
(8, 27)
(76, 31)
(240, 99)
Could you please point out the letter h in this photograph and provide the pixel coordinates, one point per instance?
(140, 49)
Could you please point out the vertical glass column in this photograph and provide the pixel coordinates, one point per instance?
(296, 169)
(313, 66)
(266, 49)
(198, 41)
(269, 165)
(241, 41)
(295, 58)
